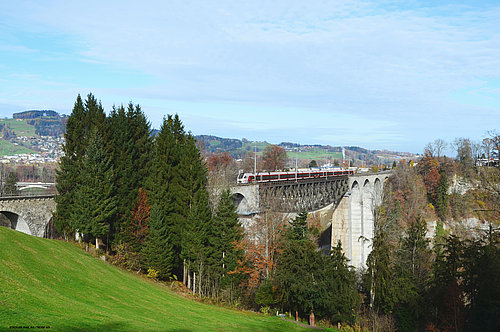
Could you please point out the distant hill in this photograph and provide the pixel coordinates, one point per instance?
(46, 122)
(35, 114)
(322, 153)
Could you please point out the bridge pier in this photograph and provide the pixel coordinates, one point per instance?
(344, 206)
(353, 221)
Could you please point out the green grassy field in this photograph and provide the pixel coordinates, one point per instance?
(53, 283)
(7, 148)
(21, 128)
(317, 154)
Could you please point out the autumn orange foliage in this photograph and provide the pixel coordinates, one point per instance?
(261, 250)
(139, 221)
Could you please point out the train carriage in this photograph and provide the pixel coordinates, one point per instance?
(289, 176)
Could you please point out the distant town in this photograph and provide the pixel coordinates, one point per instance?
(50, 150)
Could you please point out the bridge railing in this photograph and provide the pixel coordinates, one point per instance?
(30, 193)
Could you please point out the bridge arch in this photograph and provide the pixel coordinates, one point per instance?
(246, 199)
(17, 222)
(355, 185)
(240, 202)
(28, 214)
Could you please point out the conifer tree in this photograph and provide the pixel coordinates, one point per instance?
(158, 253)
(442, 197)
(193, 181)
(340, 283)
(195, 237)
(224, 233)
(295, 268)
(95, 203)
(177, 183)
(130, 145)
(83, 119)
(412, 274)
(380, 278)
(10, 187)
(163, 181)
(309, 281)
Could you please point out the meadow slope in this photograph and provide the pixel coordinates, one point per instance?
(54, 284)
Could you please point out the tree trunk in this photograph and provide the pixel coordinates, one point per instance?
(194, 283)
(184, 272)
(311, 319)
(97, 243)
(296, 316)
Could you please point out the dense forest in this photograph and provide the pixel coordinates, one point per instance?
(448, 281)
(33, 114)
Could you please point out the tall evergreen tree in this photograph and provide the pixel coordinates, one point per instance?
(130, 144)
(380, 278)
(311, 282)
(223, 235)
(442, 197)
(163, 188)
(413, 261)
(83, 119)
(158, 252)
(95, 203)
(339, 283)
(483, 282)
(193, 182)
(446, 290)
(177, 183)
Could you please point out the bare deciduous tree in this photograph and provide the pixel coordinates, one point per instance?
(436, 148)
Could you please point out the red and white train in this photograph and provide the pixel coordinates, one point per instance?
(290, 176)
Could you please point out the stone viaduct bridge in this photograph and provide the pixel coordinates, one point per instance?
(344, 206)
(28, 214)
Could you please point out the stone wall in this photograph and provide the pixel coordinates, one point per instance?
(29, 215)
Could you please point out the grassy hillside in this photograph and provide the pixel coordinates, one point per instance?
(20, 127)
(7, 148)
(53, 283)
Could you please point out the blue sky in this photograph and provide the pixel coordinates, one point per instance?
(377, 74)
